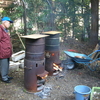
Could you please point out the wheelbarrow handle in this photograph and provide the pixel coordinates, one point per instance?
(93, 52)
(97, 50)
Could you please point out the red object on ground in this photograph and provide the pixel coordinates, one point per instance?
(72, 50)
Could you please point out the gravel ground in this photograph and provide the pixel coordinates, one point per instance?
(62, 88)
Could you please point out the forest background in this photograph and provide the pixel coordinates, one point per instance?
(79, 22)
(78, 19)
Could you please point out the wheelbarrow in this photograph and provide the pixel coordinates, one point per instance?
(83, 59)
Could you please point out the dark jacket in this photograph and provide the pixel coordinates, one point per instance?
(5, 44)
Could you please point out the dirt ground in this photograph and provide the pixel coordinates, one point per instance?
(62, 88)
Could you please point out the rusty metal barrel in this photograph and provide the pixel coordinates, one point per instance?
(34, 62)
(52, 43)
(52, 46)
(35, 49)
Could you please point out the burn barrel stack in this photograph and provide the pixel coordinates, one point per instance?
(34, 61)
(52, 50)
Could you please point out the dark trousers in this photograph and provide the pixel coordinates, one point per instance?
(4, 68)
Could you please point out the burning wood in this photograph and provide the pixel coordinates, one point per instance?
(43, 75)
(57, 67)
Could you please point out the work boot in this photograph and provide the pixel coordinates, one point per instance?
(10, 78)
(6, 81)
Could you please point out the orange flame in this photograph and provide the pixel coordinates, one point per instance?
(56, 67)
(44, 77)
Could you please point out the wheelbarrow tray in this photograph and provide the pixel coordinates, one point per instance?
(78, 57)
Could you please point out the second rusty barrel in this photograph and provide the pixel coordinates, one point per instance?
(52, 42)
(52, 46)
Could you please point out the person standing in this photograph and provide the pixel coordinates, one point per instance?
(5, 49)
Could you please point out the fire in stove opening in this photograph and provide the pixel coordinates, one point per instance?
(42, 76)
(57, 67)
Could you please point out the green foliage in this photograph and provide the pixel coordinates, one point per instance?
(14, 11)
(64, 15)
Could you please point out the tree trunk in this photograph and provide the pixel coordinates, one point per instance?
(51, 18)
(94, 22)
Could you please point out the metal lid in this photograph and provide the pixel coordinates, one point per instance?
(52, 32)
(34, 36)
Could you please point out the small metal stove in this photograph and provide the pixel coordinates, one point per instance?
(52, 50)
(34, 61)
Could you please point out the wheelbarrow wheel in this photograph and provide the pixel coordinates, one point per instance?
(70, 66)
